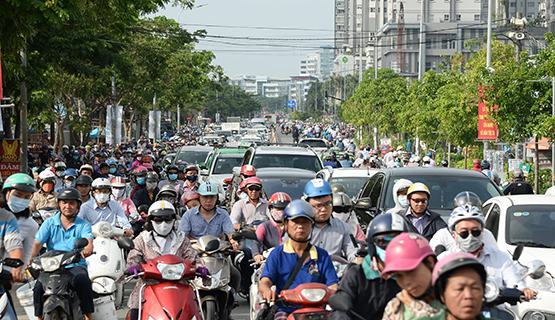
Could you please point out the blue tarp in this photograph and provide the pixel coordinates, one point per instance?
(94, 133)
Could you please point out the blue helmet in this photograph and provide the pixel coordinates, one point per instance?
(111, 162)
(485, 165)
(299, 209)
(317, 188)
(208, 189)
(71, 172)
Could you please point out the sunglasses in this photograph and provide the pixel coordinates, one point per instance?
(382, 241)
(254, 188)
(418, 201)
(475, 233)
(162, 219)
(320, 206)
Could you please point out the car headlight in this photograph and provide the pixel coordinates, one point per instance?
(542, 284)
(171, 271)
(50, 264)
(313, 295)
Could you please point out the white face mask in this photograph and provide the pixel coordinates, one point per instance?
(102, 197)
(403, 201)
(118, 193)
(163, 228)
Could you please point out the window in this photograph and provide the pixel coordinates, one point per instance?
(458, 17)
(531, 4)
(417, 17)
(376, 191)
(476, 17)
(492, 220)
(445, 17)
(512, 4)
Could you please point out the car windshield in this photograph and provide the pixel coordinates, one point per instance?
(191, 156)
(444, 188)
(293, 186)
(313, 143)
(311, 163)
(225, 165)
(352, 184)
(531, 225)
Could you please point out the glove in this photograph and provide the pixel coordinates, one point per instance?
(134, 270)
(202, 272)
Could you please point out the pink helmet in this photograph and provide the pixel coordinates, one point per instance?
(405, 252)
(454, 261)
(190, 195)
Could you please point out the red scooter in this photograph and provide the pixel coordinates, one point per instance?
(312, 297)
(163, 294)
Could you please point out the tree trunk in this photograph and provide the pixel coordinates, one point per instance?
(536, 166)
(466, 157)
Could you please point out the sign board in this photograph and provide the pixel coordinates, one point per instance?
(514, 163)
(487, 128)
(111, 138)
(231, 126)
(525, 167)
(292, 104)
(154, 120)
(10, 157)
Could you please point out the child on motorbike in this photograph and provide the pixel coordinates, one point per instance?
(158, 238)
(270, 232)
(409, 260)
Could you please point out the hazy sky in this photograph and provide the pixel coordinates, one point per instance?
(311, 19)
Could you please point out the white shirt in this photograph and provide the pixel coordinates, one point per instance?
(112, 213)
(445, 237)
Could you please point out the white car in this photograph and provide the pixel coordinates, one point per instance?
(353, 179)
(527, 220)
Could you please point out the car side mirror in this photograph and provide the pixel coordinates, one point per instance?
(80, 243)
(228, 180)
(202, 165)
(363, 204)
(126, 243)
(536, 269)
(203, 172)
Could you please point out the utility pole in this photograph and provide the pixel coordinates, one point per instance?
(553, 142)
(23, 112)
(113, 123)
(488, 55)
(178, 117)
(360, 56)
(422, 44)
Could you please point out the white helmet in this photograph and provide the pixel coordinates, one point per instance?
(161, 208)
(550, 191)
(47, 174)
(101, 183)
(466, 212)
(426, 159)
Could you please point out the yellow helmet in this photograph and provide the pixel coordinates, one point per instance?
(418, 187)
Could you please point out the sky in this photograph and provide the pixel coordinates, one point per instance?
(308, 24)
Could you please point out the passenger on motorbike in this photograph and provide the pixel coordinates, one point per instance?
(60, 233)
(362, 285)
(172, 179)
(101, 208)
(410, 261)
(299, 219)
(190, 200)
(330, 234)
(118, 193)
(343, 210)
(270, 233)
(400, 196)
(83, 184)
(147, 195)
(459, 281)
(253, 208)
(69, 177)
(467, 227)
(45, 197)
(191, 178)
(159, 238)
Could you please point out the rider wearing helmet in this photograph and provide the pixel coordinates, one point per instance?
(299, 219)
(459, 281)
(410, 261)
(191, 178)
(190, 199)
(101, 208)
(159, 237)
(492, 175)
(467, 224)
(138, 178)
(519, 185)
(83, 183)
(361, 285)
(86, 169)
(400, 189)
(60, 232)
(420, 219)
(118, 193)
(251, 209)
(333, 235)
(172, 174)
(343, 210)
(45, 197)
(147, 195)
(69, 177)
(270, 233)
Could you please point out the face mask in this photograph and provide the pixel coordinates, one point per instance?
(403, 201)
(276, 214)
(151, 185)
(141, 181)
(118, 193)
(172, 176)
(341, 216)
(192, 178)
(381, 253)
(17, 204)
(470, 244)
(112, 170)
(102, 197)
(162, 228)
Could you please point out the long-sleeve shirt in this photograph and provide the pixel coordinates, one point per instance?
(112, 213)
(10, 238)
(335, 238)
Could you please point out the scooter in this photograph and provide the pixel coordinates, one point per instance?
(312, 297)
(60, 299)
(42, 214)
(215, 292)
(255, 300)
(168, 291)
(106, 267)
(6, 277)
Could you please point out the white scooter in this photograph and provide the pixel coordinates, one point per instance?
(255, 300)
(106, 267)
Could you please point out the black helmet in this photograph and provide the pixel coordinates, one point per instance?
(84, 180)
(172, 167)
(167, 190)
(342, 203)
(444, 163)
(485, 165)
(70, 194)
(467, 197)
(152, 176)
(386, 223)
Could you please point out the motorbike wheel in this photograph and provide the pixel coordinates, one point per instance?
(57, 314)
(210, 310)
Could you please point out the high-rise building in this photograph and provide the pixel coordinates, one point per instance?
(299, 87)
(319, 64)
(327, 55)
(262, 86)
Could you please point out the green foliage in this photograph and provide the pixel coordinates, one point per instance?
(229, 101)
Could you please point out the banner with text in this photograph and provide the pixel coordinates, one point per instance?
(10, 156)
(487, 128)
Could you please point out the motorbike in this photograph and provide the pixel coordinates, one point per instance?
(168, 291)
(42, 214)
(106, 266)
(5, 281)
(312, 297)
(60, 299)
(246, 236)
(255, 301)
(216, 294)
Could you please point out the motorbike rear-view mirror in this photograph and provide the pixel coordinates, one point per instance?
(340, 303)
(212, 245)
(518, 252)
(126, 243)
(536, 269)
(80, 243)
(228, 180)
(13, 263)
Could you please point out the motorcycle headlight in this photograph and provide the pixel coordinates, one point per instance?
(105, 229)
(313, 295)
(537, 315)
(171, 271)
(542, 284)
(50, 264)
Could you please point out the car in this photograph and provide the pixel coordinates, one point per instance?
(353, 179)
(376, 195)
(191, 155)
(319, 145)
(219, 165)
(289, 180)
(282, 156)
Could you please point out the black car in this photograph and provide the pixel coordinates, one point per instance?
(376, 196)
(289, 180)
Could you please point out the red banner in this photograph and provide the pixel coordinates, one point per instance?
(487, 128)
(10, 155)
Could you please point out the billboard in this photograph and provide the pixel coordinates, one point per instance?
(10, 157)
(487, 128)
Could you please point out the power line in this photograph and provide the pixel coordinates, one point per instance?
(252, 27)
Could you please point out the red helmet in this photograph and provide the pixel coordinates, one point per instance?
(190, 195)
(405, 252)
(279, 200)
(118, 182)
(248, 170)
(253, 180)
